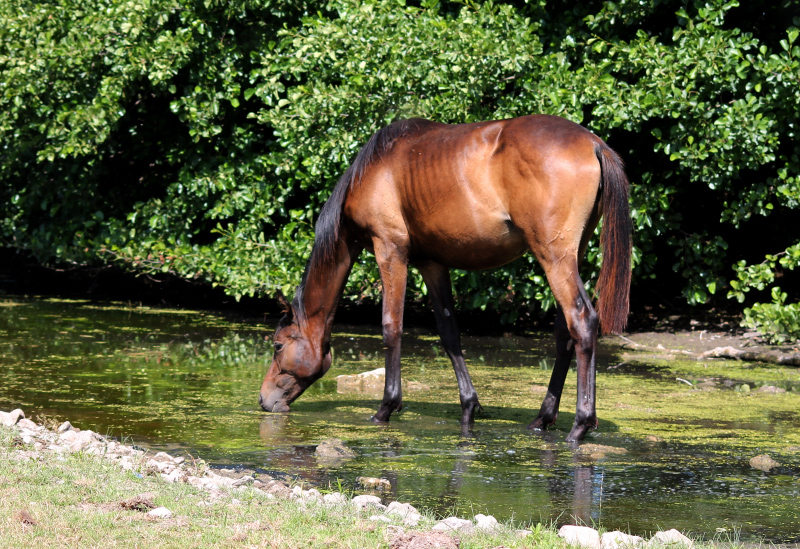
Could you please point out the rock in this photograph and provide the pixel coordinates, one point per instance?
(582, 536)
(334, 448)
(406, 511)
(142, 502)
(424, 540)
(372, 382)
(365, 382)
(4, 417)
(83, 440)
(163, 456)
(27, 424)
(598, 451)
(336, 498)
(380, 518)
(12, 417)
(365, 501)
(246, 480)
(277, 489)
(454, 524)
(770, 390)
(401, 509)
(671, 537)
(64, 427)
(619, 540)
(160, 512)
(311, 495)
(374, 483)
(764, 462)
(486, 523)
(539, 389)
(653, 438)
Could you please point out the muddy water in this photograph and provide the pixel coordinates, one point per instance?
(185, 381)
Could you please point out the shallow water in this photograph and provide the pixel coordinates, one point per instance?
(185, 381)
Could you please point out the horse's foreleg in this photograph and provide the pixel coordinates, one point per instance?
(437, 279)
(565, 350)
(394, 272)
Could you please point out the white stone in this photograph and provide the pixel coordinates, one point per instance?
(312, 495)
(68, 437)
(27, 424)
(380, 518)
(487, 523)
(4, 417)
(582, 536)
(454, 524)
(160, 512)
(671, 537)
(406, 511)
(246, 480)
(14, 416)
(365, 501)
(619, 540)
(336, 498)
(66, 426)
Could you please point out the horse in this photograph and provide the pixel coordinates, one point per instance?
(467, 196)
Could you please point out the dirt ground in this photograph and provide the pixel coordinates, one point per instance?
(699, 339)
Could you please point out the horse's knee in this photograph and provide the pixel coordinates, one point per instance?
(392, 332)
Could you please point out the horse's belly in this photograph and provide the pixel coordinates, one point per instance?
(468, 248)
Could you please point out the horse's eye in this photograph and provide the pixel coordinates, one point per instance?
(278, 347)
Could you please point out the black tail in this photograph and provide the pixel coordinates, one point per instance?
(614, 283)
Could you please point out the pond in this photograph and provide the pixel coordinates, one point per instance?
(187, 382)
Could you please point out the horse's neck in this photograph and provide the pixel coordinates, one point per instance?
(324, 283)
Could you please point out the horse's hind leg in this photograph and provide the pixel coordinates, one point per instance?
(565, 351)
(581, 322)
(437, 279)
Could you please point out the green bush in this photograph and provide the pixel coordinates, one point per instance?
(200, 138)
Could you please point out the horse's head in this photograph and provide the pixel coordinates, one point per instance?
(298, 361)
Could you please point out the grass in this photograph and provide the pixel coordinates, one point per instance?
(60, 500)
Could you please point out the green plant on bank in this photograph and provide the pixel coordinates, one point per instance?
(199, 138)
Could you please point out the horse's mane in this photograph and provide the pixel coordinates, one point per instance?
(328, 224)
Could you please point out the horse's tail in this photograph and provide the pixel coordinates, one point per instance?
(614, 283)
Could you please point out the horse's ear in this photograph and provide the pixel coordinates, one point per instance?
(286, 307)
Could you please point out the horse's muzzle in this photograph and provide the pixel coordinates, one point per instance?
(271, 404)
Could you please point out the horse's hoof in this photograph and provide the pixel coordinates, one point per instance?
(377, 421)
(578, 433)
(540, 424)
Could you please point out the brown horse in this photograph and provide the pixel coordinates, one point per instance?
(466, 196)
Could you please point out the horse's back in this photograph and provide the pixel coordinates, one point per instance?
(471, 195)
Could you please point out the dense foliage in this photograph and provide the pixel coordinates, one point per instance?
(200, 138)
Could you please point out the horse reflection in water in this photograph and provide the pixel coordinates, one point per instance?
(466, 196)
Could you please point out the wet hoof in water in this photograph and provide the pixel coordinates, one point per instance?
(541, 423)
(578, 433)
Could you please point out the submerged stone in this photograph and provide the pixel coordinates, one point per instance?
(334, 448)
(374, 483)
(764, 462)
